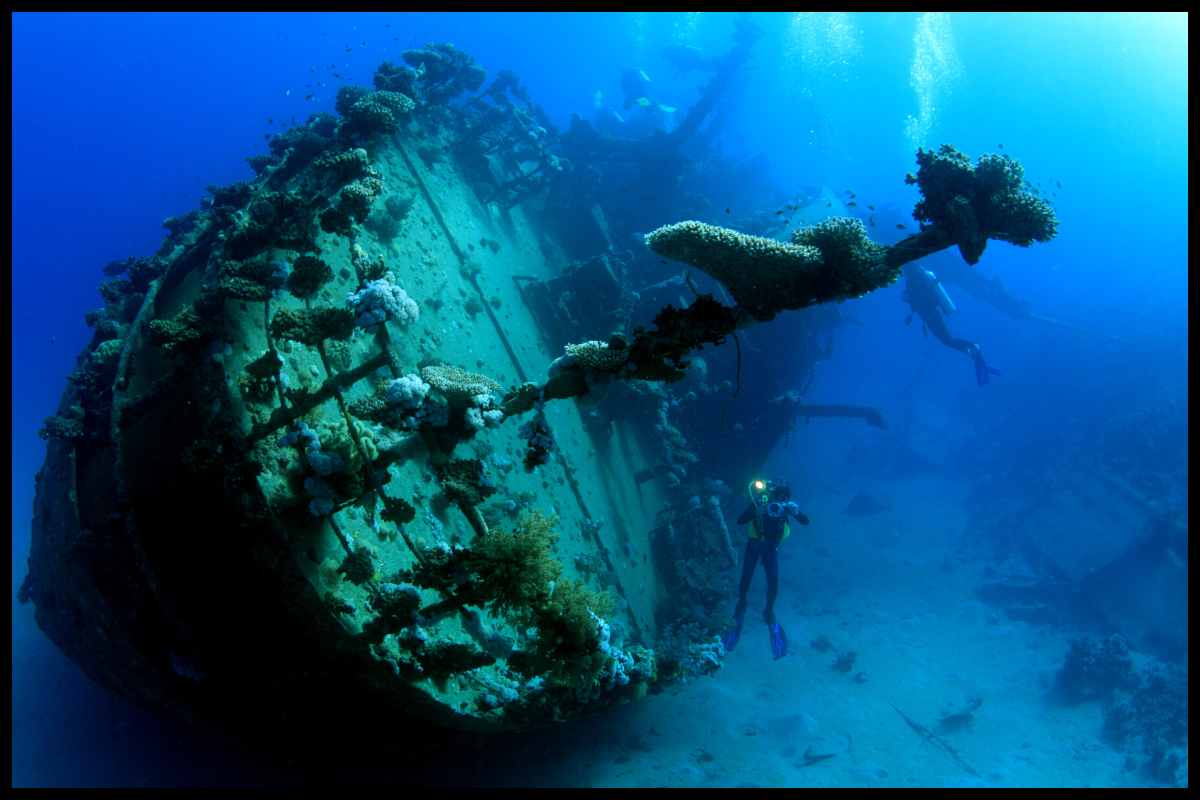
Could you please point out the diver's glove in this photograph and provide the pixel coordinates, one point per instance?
(794, 510)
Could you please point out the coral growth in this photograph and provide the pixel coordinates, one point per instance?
(334, 462)
(258, 383)
(539, 442)
(65, 427)
(368, 114)
(972, 204)
(398, 511)
(272, 219)
(380, 301)
(515, 573)
(854, 265)
(186, 332)
(763, 275)
(1094, 669)
(687, 650)
(1151, 723)
(312, 326)
(436, 73)
(255, 279)
(368, 269)
(346, 165)
(359, 566)
(396, 607)
(387, 221)
(458, 386)
(308, 275)
(595, 355)
(463, 481)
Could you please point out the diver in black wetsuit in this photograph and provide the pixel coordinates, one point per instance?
(768, 512)
(926, 297)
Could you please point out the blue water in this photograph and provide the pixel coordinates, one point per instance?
(120, 120)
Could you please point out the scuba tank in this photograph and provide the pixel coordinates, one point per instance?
(943, 299)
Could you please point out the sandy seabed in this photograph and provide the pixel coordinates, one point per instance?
(897, 588)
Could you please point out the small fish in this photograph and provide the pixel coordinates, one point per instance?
(871, 207)
(349, 49)
(1000, 146)
(338, 75)
(828, 203)
(1058, 184)
(270, 120)
(871, 221)
(900, 226)
(287, 93)
(727, 211)
(779, 213)
(852, 204)
(309, 96)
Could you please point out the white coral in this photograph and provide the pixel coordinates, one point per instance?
(382, 300)
(407, 392)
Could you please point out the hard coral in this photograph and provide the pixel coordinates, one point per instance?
(763, 275)
(359, 566)
(457, 385)
(368, 114)
(976, 203)
(854, 265)
(184, 332)
(312, 326)
(308, 275)
(255, 279)
(598, 355)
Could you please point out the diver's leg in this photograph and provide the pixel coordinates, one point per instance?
(770, 559)
(936, 324)
(730, 638)
(749, 562)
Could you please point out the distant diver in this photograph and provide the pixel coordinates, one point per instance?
(635, 86)
(768, 512)
(928, 299)
(688, 58)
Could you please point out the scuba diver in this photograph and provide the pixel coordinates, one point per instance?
(644, 115)
(927, 298)
(768, 512)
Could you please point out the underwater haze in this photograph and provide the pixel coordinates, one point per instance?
(990, 589)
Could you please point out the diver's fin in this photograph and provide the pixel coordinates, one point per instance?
(729, 638)
(983, 371)
(778, 640)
